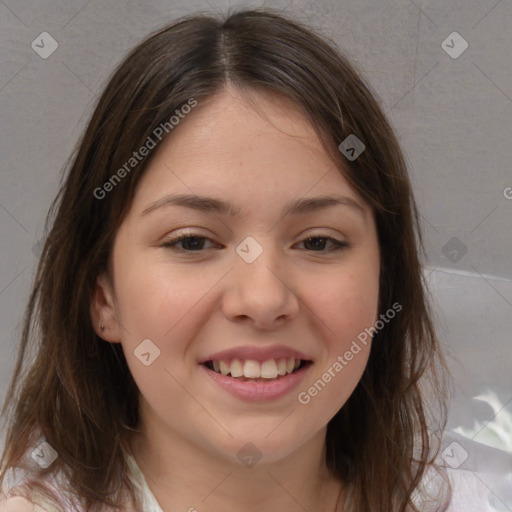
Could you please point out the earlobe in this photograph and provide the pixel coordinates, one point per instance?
(103, 310)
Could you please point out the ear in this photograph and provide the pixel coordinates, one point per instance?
(103, 310)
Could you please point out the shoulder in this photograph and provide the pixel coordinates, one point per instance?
(19, 504)
(25, 489)
(467, 476)
(468, 492)
(480, 475)
(24, 494)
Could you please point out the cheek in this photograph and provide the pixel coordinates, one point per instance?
(332, 385)
(346, 305)
(167, 306)
(156, 296)
(343, 310)
(183, 300)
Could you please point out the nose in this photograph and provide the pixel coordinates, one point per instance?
(261, 293)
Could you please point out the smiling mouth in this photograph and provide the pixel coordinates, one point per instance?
(254, 371)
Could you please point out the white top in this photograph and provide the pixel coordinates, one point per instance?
(481, 478)
(148, 499)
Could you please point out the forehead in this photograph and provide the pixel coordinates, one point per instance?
(252, 145)
(242, 124)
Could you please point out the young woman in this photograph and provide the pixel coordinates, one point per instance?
(229, 311)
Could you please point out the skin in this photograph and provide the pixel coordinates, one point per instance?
(192, 304)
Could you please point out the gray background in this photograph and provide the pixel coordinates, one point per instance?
(452, 115)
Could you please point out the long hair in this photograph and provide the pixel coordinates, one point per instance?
(77, 390)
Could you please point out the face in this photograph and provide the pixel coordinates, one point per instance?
(255, 283)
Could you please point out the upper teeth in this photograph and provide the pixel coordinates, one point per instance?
(253, 369)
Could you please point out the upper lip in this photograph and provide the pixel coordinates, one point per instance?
(257, 353)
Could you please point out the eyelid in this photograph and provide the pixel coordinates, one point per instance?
(173, 242)
(192, 232)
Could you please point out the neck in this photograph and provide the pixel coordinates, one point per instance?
(184, 476)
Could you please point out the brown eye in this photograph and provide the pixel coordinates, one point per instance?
(318, 243)
(190, 243)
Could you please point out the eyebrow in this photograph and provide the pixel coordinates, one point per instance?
(219, 206)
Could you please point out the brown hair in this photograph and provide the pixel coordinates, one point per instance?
(77, 391)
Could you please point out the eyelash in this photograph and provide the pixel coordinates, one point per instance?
(172, 244)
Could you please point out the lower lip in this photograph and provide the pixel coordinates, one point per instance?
(258, 391)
